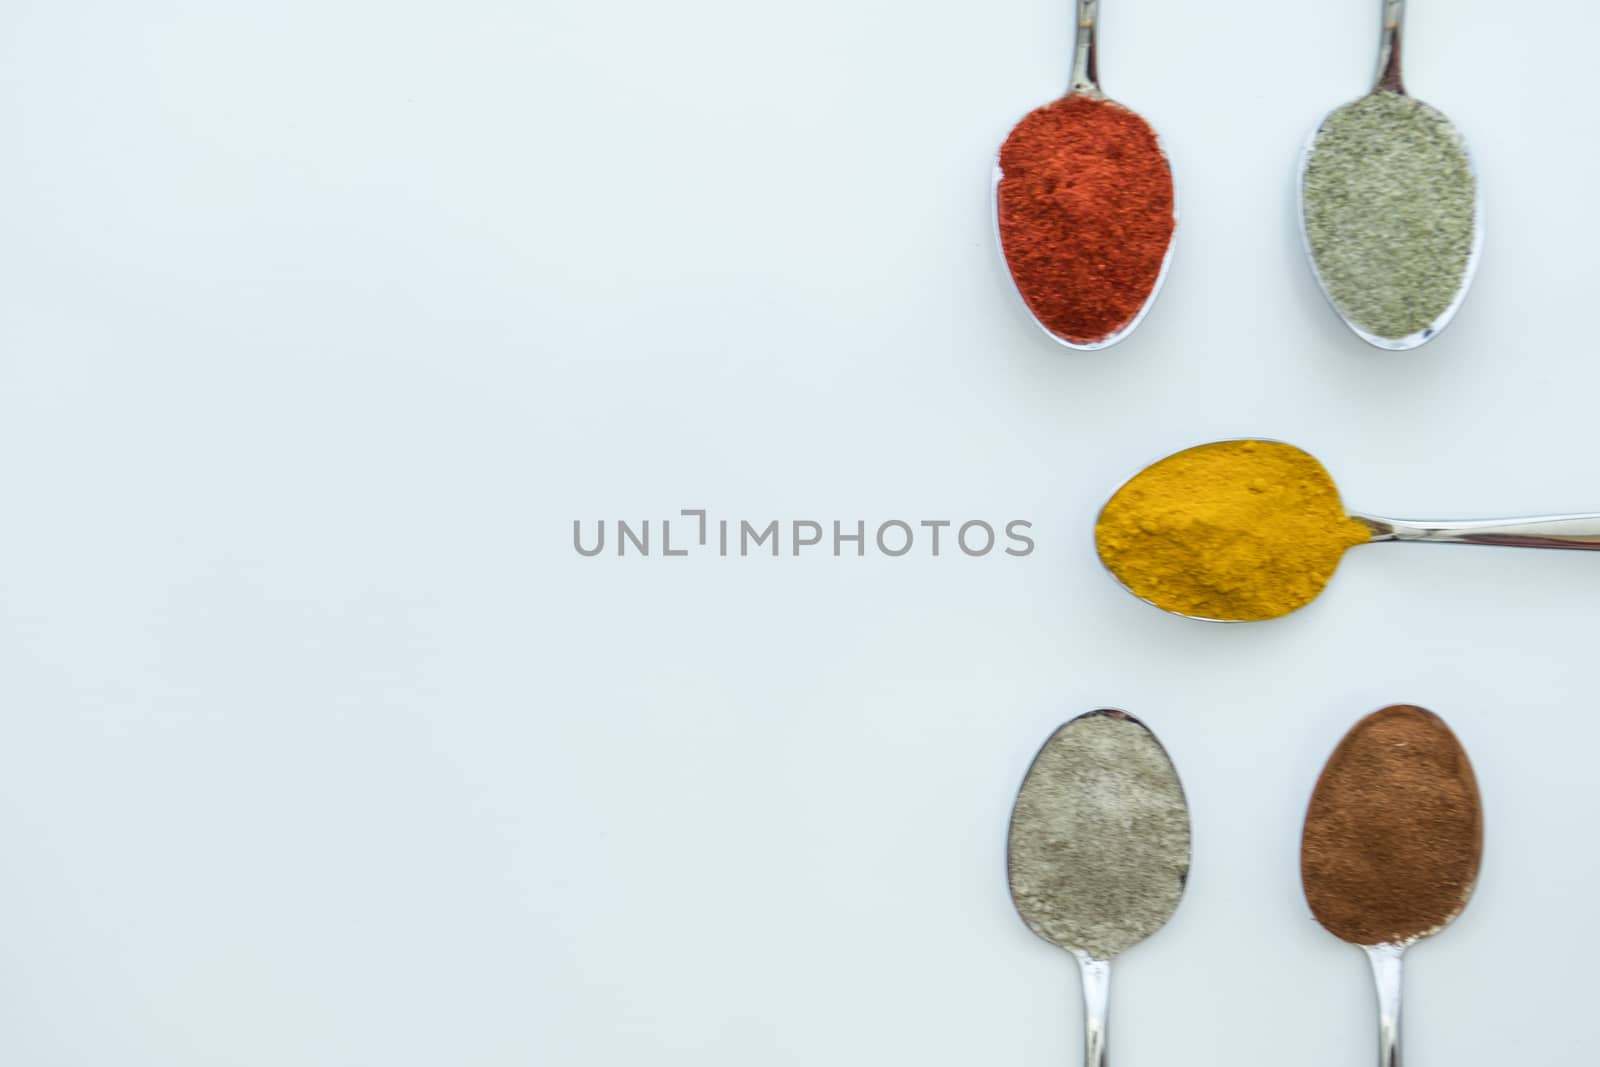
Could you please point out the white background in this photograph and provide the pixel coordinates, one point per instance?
(321, 321)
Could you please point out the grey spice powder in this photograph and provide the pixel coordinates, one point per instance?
(1389, 203)
(1099, 848)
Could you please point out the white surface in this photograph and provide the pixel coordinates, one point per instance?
(322, 321)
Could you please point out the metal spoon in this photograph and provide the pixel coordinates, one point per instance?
(1389, 81)
(1581, 532)
(1086, 83)
(1397, 785)
(1098, 852)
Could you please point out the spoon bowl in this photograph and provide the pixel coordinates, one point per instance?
(1233, 531)
(1115, 336)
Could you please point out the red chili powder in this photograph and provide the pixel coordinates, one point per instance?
(1085, 204)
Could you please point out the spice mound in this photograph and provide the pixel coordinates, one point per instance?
(1394, 834)
(1099, 844)
(1389, 203)
(1086, 215)
(1235, 531)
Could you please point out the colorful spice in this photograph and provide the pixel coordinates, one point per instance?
(1099, 845)
(1389, 203)
(1086, 215)
(1394, 834)
(1236, 530)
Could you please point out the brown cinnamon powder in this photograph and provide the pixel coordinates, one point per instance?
(1394, 833)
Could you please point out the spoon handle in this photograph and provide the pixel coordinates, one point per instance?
(1085, 68)
(1096, 1002)
(1549, 531)
(1385, 960)
(1394, 17)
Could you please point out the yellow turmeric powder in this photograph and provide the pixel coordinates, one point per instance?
(1235, 531)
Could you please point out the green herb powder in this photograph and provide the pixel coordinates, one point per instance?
(1389, 203)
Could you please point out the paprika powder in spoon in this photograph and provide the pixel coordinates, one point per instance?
(1084, 207)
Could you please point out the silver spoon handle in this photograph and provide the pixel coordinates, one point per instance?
(1549, 531)
(1085, 68)
(1394, 17)
(1385, 960)
(1096, 1004)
